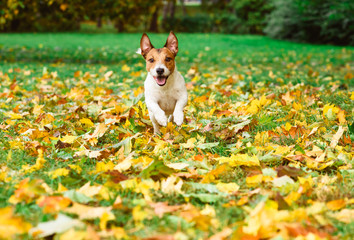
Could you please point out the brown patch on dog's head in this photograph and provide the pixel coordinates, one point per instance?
(160, 56)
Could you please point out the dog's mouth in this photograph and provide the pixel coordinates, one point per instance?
(161, 80)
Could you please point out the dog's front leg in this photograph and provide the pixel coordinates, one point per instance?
(178, 115)
(157, 115)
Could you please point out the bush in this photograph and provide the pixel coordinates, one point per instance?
(198, 23)
(227, 23)
(251, 14)
(316, 21)
(203, 23)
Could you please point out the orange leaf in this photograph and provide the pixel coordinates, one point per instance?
(336, 204)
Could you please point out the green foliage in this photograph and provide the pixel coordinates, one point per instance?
(39, 16)
(61, 15)
(246, 16)
(251, 14)
(197, 23)
(313, 21)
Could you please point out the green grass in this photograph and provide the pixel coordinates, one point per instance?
(230, 69)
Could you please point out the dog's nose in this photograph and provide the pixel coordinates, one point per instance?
(160, 71)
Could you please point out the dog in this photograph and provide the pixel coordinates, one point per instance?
(165, 88)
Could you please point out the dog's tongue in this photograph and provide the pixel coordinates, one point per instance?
(161, 80)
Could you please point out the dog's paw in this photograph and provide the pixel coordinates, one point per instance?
(161, 119)
(178, 118)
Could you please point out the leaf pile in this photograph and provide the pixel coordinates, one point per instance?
(253, 160)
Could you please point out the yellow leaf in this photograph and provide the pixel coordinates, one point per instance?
(119, 233)
(125, 68)
(287, 126)
(89, 190)
(104, 219)
(10, 225)
(87, 122)
(282, 181)
(58, 173)
(124, 165)
(37, 109)
(271, 75)
(108, 74)
(77, 168)
(68, 139)
(254, 180)
(190, 143)
(341, 117)
(94, 154)
(104, 167)
(160, 145)
(227, 187)
(281, 150)
(39, 163)
(240, 160)
(297, 106)
(254, 107)
(264, 101)
(139, 214)
(292, 197)
(99, 131)
(88, 212)
(171, 185)
(177, 166)
(352, 96)
(61, 188)
(15, 116)
(345, 215)
(337, 136)
(74, 234)
(330, 111)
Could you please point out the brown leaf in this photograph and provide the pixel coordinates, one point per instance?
(116, 176)
(289, 171)
(160, 208)
(61, 145)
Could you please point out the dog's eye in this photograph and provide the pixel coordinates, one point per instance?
(151, 60)
(168, 59)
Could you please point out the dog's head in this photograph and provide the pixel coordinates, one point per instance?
(160, 62)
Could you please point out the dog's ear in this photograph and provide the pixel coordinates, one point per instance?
(172, 43)
(145, 45)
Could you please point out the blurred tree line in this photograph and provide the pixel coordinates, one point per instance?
(319, 21)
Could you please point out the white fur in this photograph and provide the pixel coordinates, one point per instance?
(159, 65)
(165, 101)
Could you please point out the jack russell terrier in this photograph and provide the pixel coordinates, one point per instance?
(165, 89)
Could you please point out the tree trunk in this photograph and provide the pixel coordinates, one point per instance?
(166, 8)
(173, 9)
(184, 11)
(99, 22)
(120, 26)
(153, 22)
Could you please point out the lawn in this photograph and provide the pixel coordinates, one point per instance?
(265, 152)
